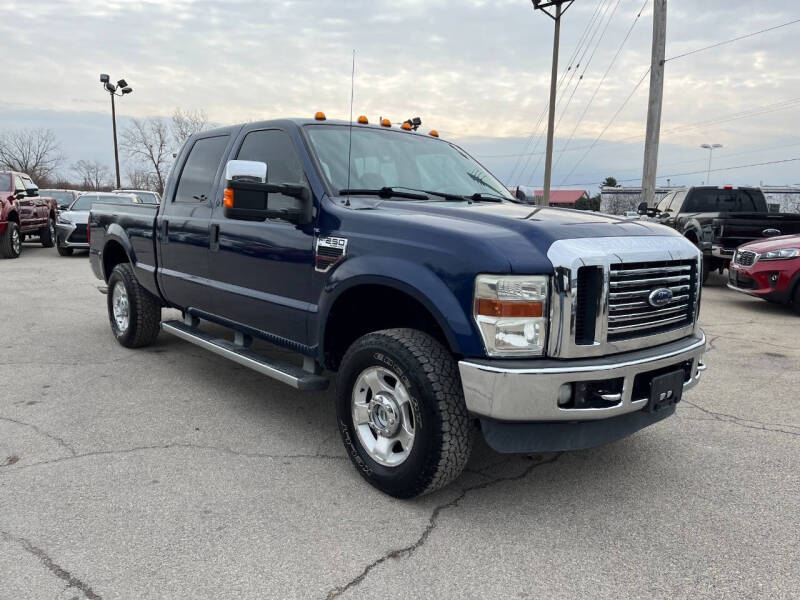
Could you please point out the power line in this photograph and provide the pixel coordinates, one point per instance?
(614, 118)
(702, 172)
(577, 83)
(730, 41)
(575, 52)
(536, 134)
(602, 80)
(751, 112)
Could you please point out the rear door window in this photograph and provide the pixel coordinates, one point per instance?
(200, 169)
(5, 181)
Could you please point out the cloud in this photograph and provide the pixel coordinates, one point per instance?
(476, 69)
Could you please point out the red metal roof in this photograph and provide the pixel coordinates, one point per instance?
(563, 196)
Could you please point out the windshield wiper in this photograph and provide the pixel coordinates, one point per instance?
(384, 192)
(482, 197)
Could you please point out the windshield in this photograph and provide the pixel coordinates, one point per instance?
(381, 158)
(63, 198)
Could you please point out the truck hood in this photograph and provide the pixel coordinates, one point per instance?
(521, 233)
(773, 243)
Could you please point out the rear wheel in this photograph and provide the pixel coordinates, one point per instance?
(65, 251)
(134, 313)
(401, 412)
(47, 234)
(11, 241)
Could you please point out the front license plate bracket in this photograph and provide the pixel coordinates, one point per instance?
(666, 390)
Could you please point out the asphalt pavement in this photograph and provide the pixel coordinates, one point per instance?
(168, 472)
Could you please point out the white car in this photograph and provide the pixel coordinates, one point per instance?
(146, 196)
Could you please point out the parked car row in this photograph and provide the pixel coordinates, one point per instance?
(57, 217)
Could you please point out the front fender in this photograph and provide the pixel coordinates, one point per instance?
(414, 279)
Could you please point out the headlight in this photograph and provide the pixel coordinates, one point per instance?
(780, 254)
(510, 312)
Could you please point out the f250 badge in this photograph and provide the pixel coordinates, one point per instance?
(329, 251)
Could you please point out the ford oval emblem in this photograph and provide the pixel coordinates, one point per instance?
(660, 297)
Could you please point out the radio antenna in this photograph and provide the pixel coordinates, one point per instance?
(350, 141)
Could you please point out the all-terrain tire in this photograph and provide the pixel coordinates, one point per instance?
(65, 251)
(11, 241)
(47, 234)
(429, 373)
(143, 309)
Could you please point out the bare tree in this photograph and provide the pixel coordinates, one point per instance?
(32, 151)
(185, 123)
(147, 142)
(93, 175)
(141, 179)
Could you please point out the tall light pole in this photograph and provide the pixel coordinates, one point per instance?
(560, 9)
(710, 148)
(124, 89)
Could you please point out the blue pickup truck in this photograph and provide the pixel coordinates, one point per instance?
(395, 260)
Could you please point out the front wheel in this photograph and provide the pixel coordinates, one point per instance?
(11, 241)
(65, 251)
(134, 313)
(401, 412)
(795, 300)
(47, 234)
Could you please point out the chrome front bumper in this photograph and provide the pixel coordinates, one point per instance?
(527, 391)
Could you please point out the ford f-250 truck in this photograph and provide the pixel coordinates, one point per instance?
(395, 259)
(718, 219)
(23, 211)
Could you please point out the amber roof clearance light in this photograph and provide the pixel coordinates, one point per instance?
(386, 123)
(434, 133)
(319, 116)
(363, 120)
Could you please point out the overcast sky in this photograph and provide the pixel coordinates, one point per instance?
(478, 71)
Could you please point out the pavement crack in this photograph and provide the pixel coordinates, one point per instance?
(59, 440)
(746, 423)
(56, 569)
(223, 449)
(433, 522)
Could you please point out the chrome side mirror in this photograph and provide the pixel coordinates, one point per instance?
(246, 171)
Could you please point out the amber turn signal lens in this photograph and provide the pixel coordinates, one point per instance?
(386, 123)
(406, 126)
(363, 120)
(319, 116)
(490, 307)
(434, 133)
(227, 200)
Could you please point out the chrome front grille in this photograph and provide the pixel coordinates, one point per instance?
(744, 258)
(632, 311)
(601, 289)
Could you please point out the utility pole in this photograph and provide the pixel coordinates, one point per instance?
(560, 9)
(654, 103)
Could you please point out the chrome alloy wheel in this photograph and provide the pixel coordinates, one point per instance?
(383, 417)
(16, 243)
(119, 303)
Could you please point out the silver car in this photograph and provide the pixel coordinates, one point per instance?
(71, 224)
(146, 196)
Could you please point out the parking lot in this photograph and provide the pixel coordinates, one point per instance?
(170, 473)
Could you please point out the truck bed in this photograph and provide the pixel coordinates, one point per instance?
(734, 229)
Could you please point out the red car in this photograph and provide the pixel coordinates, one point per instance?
(768, 269)
(24, 212)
